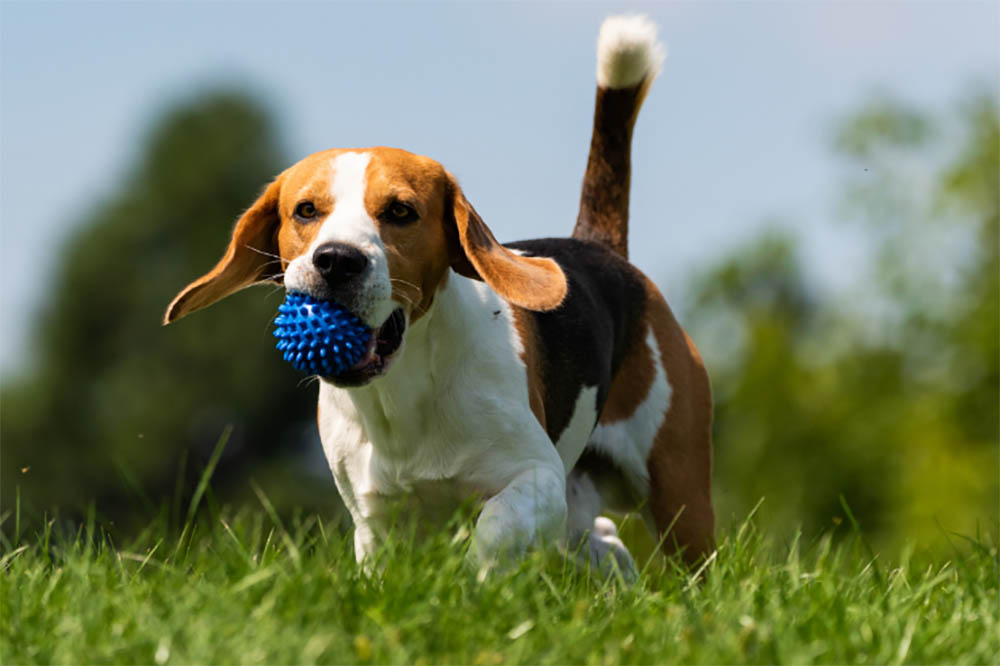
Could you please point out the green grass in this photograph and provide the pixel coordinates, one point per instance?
(240, 588)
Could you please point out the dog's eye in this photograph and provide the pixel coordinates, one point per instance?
(305, 210)
(400, 213)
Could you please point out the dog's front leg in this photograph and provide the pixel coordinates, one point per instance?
(364, 545)
(529, 511)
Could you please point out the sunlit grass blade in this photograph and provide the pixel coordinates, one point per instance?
(206, 475)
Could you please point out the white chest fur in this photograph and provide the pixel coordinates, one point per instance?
(450, 419)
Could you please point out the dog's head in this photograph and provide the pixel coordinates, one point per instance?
(376, 230)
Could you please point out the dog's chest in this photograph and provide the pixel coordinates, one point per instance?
(451, 422)
(415, 445)
(422, 466)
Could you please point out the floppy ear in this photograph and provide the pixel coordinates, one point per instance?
(534, 283)
(249, 257)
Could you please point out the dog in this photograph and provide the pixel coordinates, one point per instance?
(547, 378)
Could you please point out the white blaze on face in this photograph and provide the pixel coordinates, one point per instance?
(349, 223)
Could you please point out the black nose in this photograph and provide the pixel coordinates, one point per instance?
(339, 262)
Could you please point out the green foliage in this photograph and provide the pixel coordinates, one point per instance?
(243, 588)
(112, 399)
(887, 394)
(883, 122)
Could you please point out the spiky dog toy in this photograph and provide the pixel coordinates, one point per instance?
(319, 337)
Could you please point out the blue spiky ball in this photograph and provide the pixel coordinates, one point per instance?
(319, 337)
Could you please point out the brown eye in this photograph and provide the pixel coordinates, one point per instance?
(400, 213)
(305, 210)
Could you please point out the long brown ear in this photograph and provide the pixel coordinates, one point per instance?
(248, 258)
(535, 283)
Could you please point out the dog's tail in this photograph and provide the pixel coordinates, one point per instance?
(628, 59)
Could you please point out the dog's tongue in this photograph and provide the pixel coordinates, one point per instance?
(369, 356)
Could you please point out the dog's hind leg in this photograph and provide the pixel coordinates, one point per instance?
(591, 536)
(680, 460)
(654, 433)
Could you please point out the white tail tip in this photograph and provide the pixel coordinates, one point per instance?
(628, 51)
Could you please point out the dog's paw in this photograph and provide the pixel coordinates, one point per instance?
(607, 553)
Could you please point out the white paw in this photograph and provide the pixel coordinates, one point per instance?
(604, 527)
(606, 552)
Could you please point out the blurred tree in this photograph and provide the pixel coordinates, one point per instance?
(939, 267)
(887, 394)
(112, 399)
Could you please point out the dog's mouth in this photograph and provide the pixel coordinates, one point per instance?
(383, 344)
(384, 341)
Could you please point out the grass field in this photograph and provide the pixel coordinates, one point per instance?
(241, 588)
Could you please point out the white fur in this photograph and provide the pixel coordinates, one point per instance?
(451, 419)
(628, 51)
(574, 436)
(629, 441)
(349, 223)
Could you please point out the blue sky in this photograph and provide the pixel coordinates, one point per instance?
(734, 133)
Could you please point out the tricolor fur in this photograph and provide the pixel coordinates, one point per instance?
(546, 378)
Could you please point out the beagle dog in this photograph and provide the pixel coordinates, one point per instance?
(547, 378)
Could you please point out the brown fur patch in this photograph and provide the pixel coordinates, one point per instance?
(417, 252)
(680, 462)
(250, 252)
(604, 196)
(531, 352)
(631, 384)
(308, 180)
(535, 283)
